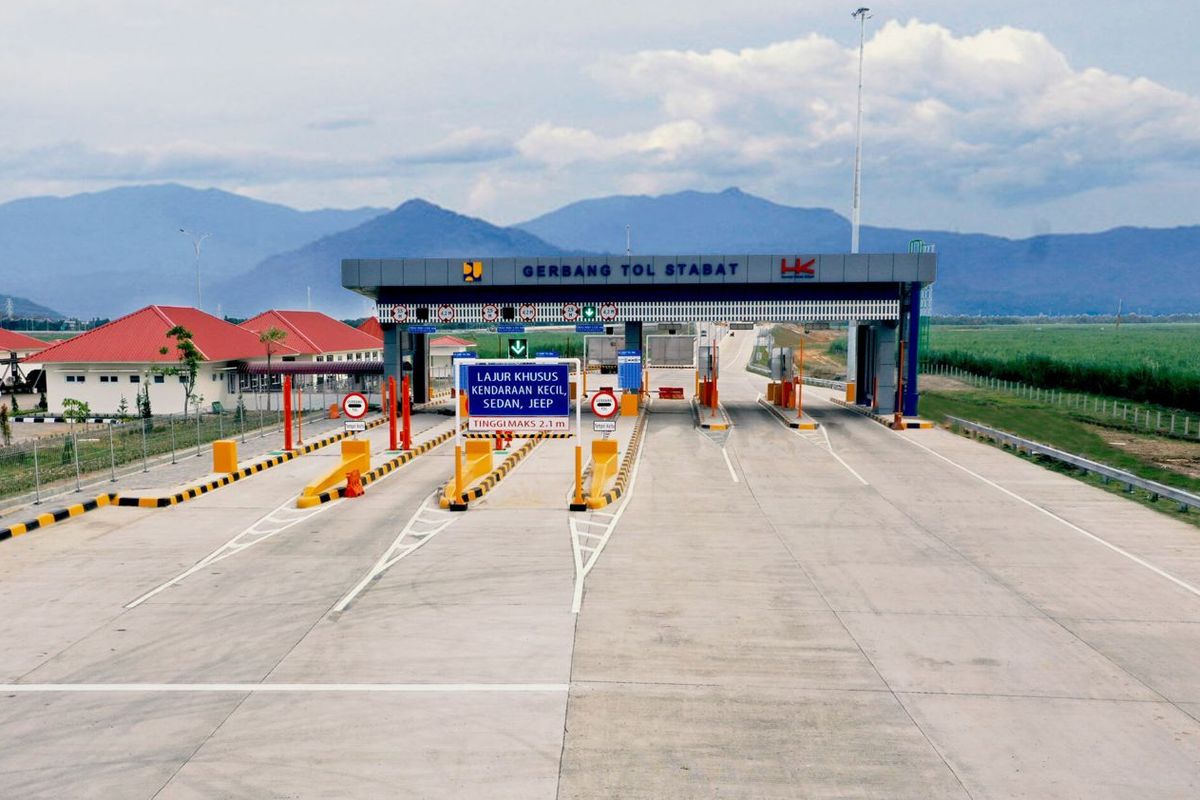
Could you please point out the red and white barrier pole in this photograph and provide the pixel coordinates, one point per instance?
(391, 404)
(287, 412)
(407, 403)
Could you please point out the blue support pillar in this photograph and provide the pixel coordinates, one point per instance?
(912, 356)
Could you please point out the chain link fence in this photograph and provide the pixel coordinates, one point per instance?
(47, 465)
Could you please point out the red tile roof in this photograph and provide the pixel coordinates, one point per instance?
(312, 332)
(13, 341)
(137, 337)
(371, 325)
(450, 341)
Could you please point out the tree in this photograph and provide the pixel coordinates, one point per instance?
(123, 408)
(143, 400)
(188, 362)
(271, 338)
(5, 428)
(74, 411)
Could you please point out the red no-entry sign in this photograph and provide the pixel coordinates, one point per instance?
(604, 405)
(354, 405)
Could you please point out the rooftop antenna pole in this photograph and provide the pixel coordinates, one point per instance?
(863, 14)
(197, 240)
(628, 242)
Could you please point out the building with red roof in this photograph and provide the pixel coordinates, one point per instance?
(319, 336)
(15, 342)
(371, 325)
(114, 361)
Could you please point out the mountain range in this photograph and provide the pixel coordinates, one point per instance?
(110, 252)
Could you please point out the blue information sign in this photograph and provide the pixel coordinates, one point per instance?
(462, 368)
(422, 329)
(629, 369)
(589, 327)
(510, 329)
(519, 390)
(547, 354)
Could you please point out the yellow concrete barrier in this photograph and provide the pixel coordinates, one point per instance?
(629, 405)
(225, 456)
(478, 463)
(604, 469)
(850, 392)
(356, 454)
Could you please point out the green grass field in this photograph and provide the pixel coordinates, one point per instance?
(1162, 346)
(1147, 363)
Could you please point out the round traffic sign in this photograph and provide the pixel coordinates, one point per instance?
(354, 405)
(604, 405)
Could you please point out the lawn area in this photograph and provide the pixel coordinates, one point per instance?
(1047, 425)
(1156, 363)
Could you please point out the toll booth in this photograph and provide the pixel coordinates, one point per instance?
(879, 292)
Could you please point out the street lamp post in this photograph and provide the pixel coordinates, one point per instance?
(862, 14)
(197, 240)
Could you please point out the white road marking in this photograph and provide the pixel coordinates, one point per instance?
(426, 522)
(729, 464)
(829, 447)
(584, 566)
(414, 688)
(275, 522)
(1116, 549)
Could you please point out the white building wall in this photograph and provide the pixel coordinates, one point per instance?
(104, 396)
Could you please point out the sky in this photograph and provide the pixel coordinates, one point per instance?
(1015, 117)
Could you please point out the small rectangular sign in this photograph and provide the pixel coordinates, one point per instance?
(462, 354)
(629, 356)
(547, 354)
(604, 425)
(510, 329)
(355, 426)
(422, 329)
(487, 422)
(589, 327)
(519, 390)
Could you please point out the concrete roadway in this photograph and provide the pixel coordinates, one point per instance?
(766, 621)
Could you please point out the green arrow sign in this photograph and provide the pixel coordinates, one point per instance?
(589, 312)
(518, 348)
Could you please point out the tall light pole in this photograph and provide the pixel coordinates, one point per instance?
(863, 14)
(852, 393)
(197, 240)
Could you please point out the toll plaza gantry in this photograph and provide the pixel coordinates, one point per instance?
(878, 294)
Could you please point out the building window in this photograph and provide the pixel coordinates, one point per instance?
(108, 378)
(159, 379)
(183, 378)
(135, 378)
(76, 378)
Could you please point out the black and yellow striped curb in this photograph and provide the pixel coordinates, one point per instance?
(51, 517)
(804, 423)
(388, 466)
(193, 492)
(494, 477)
(910, 423)
(708, 425)
(100, 501)
(611, 496)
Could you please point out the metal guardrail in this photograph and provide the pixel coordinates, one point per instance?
(1155, 489)
(828, 384)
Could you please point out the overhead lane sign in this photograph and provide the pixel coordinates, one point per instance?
(519, 397)
(518, 348)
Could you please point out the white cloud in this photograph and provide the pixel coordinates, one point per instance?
(1000, 112)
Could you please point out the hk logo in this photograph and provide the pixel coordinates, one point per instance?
(797, 269)
(472, 271)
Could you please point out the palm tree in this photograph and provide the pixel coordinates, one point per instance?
(271, 337)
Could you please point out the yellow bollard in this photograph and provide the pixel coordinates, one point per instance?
(225, 456)
(629, 404)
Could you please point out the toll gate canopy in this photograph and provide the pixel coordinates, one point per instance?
(878, 292)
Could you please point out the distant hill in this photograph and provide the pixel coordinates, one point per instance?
(107, 253)
(415, 229)
(23, 308)
(1149, 269)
